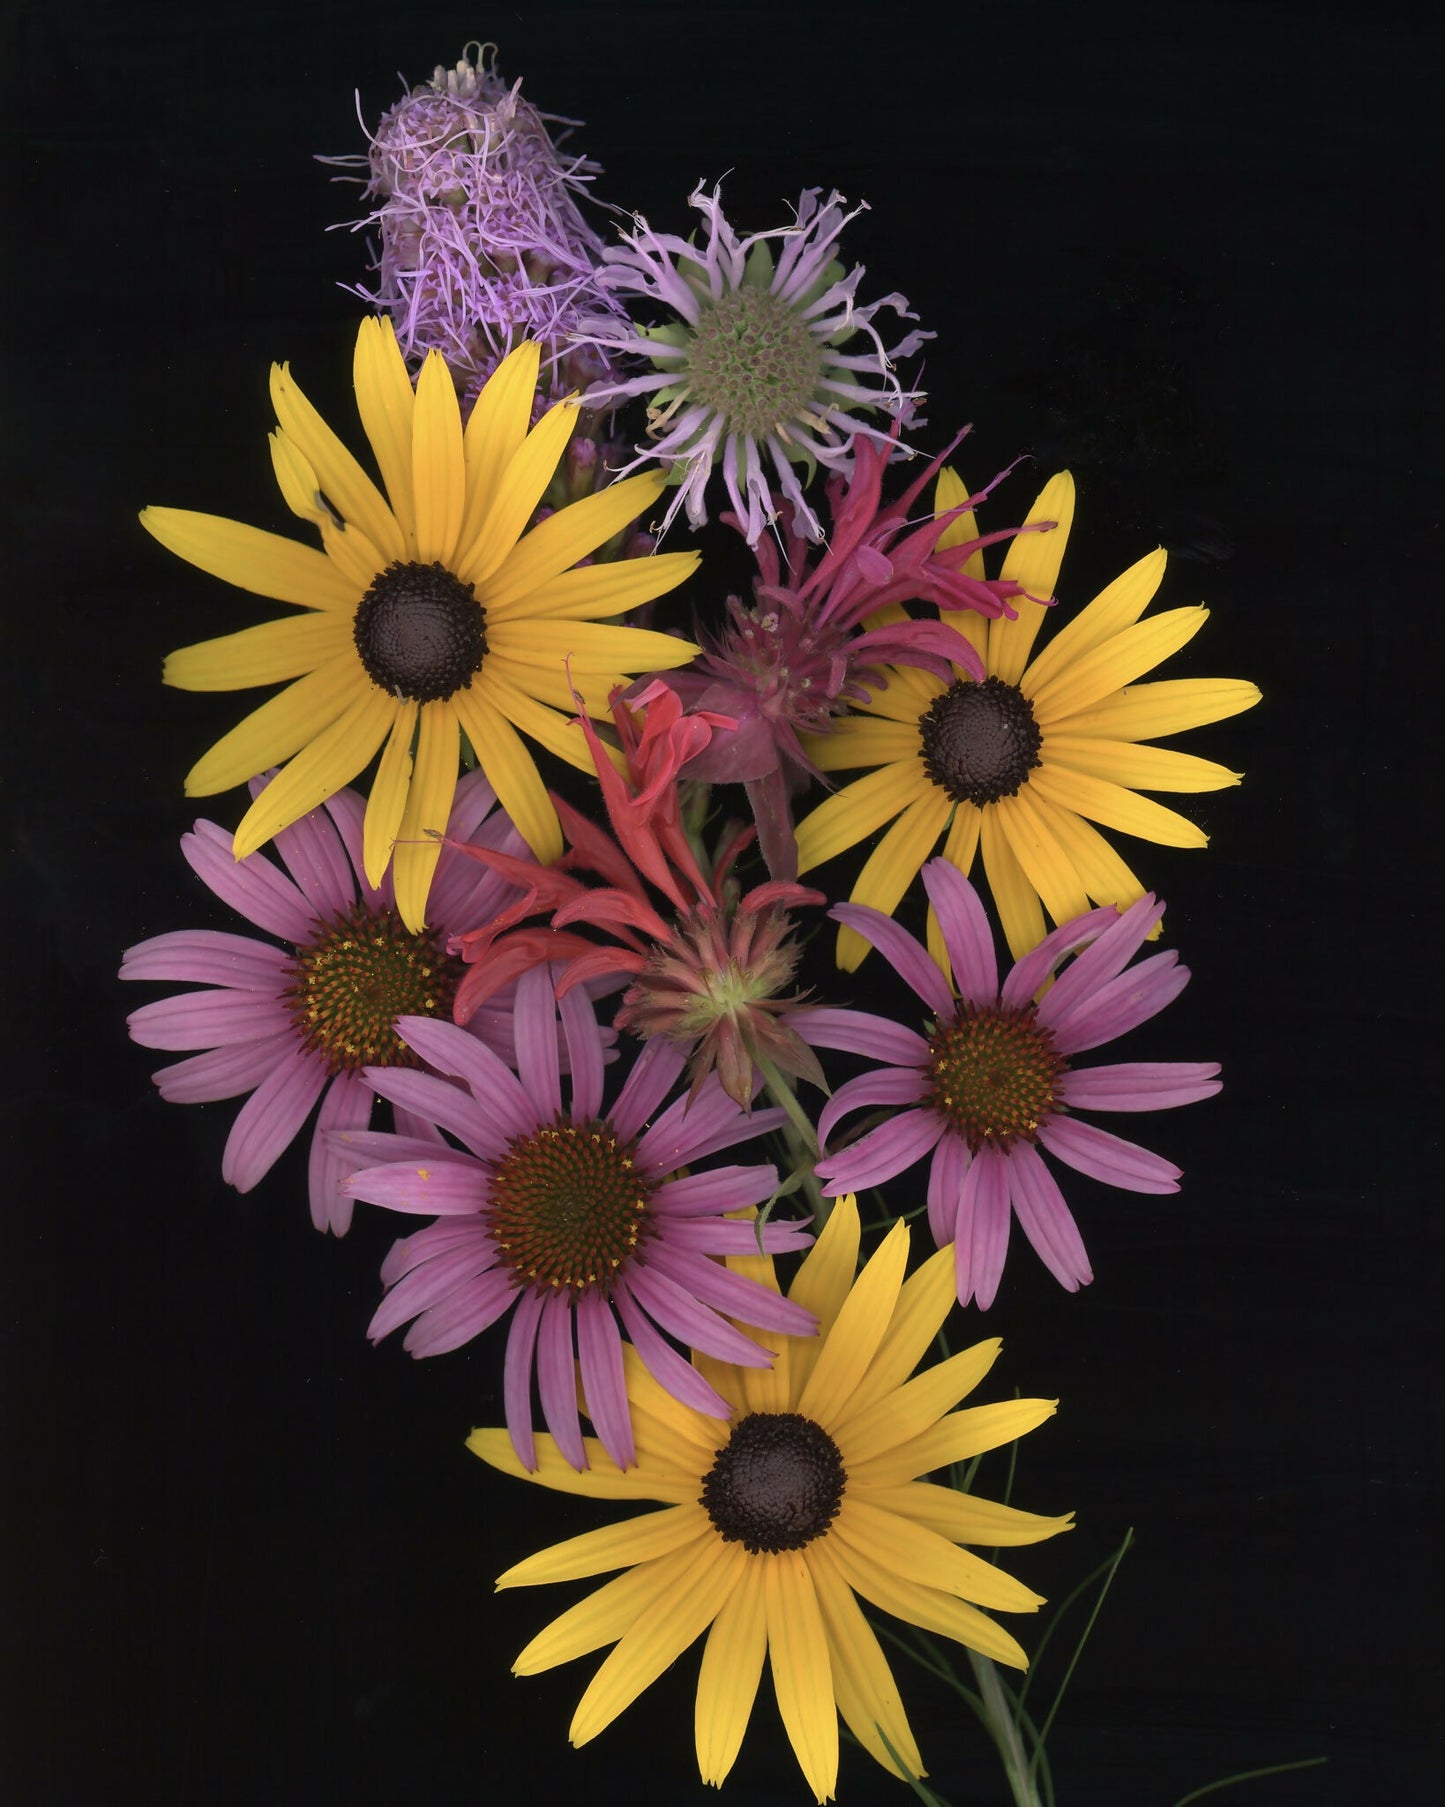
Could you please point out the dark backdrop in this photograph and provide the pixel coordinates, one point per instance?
(1190, 253)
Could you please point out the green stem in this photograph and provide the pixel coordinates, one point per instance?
(801, 1137)
(999, 1717)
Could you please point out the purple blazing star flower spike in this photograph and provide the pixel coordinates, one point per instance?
(802, 652)
(754, 371)
(993, 1081)
(296, 1024)
(482, 243)
(572, 1218)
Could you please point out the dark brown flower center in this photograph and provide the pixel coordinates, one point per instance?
(980, 741)
(360, 974)
(777, 1483)
(992, 1074)
(567, 1206)
(420, 632)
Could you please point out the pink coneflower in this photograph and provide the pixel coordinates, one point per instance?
(816, 640)
(992, 1080)
(294, 1024)
(572, 1217)
(763, 362)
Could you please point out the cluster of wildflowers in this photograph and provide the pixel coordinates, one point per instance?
(574, 995)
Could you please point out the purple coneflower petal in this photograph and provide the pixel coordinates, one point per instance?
(267, 1123)
(1045, 1218)
(208, 957)
(557, 1377)
(253, 887)
(376, 1148)
(599, 1351)
(315, 856)
(981, 1242)
(951, 1161)
(436, 1187)
(1138, 1085)
(535, 1027)
(347, 1105)
(436, 1240)
(1137, 994)
(882, 1154)
(517, 1375)
(654, 1073)
(660, 1359)
(347, 810)
(1109, 1158)
(860, 1032)
(712, 1192)
(887, 1085)
(208, 1019)
(447, 1105)
(584, 1055)
(453, 1321)
(910, 961)
(1104, 960)
(416, 1129)
(966, 933)
(433, 1272)
(222, 1072)
(689, 1129)
(712, 1284)
(1038, 965)
(709, 1236)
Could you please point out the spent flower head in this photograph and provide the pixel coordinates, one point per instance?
(765, 362)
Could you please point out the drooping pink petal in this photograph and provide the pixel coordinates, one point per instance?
(208, 1019)
(885, 1085)
(910, 961)
(315, 855)
(712, 1236)
(981, 1242)
(966, 932)
(1040, 963)
(451, 1051)
(661, 1360)
(445, 1104)
(1138, 1085)
(655, 1072)
(715, 1190)
(517, 1375)
(1109, 1158)
(1107, 957)
(434, 1271)
(453, 1235)
(465, 1314)
(951, 1161)
(208, 957)
(882, 1154)
(222, 1072)
(584, 1053)
(535, 1021)
(439, 1186)
(860, 1032)
(1138, 993)
(693, 1127)
(1046, 1219)
(711, 1283)
(253, 887)
(347, 1105)
(269, 1120)
(557, 1377)
(599, 1351)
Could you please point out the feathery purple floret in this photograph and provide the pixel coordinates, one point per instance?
(246, 1022)
(692, 428)
(461, 1273)
(482, 242)
(982, 1170)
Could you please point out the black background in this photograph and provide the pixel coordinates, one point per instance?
(1192, 254)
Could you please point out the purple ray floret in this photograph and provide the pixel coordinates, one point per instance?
(991, 1087)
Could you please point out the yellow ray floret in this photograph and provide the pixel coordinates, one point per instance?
(431, 610)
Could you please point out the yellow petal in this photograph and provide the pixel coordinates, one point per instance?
(619, 1546)
(496, 429)
(948, 493)
(593, 648)
(1026, 823)
(1117, 662)
(322, 767)
(923, 1304)
(661, 1633)
(905, 697)
(802, 1672)
(964, 1518)
(613, 588)
(387, 803)
(914, 1553)
(438, 478)
(863, 740)
(1015, 899)
(822, 1283)
(353, 554)
(603, 1616)
(857, 1331)
(519, 489)
(344, 483)
(956, 1438)
(428, 807)
(1138, 768)
(552, 724)
(1033, 560)
(602, 1479)
(295, 479)
(386, 404)
(908, 1410)
(853, 813)
(1146, 711)
(863, 1684)
(263, 563)
(1105, 876)
(727, 1685)
(893, 865)
(571, 533)
(269, 654)
(512, 773)
(1117, 808)
(280, 727)
(925, 1606)
(1118, 606)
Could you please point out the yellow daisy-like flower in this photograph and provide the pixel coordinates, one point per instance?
(1018, 766)
(429, 612)
(775, 1521)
